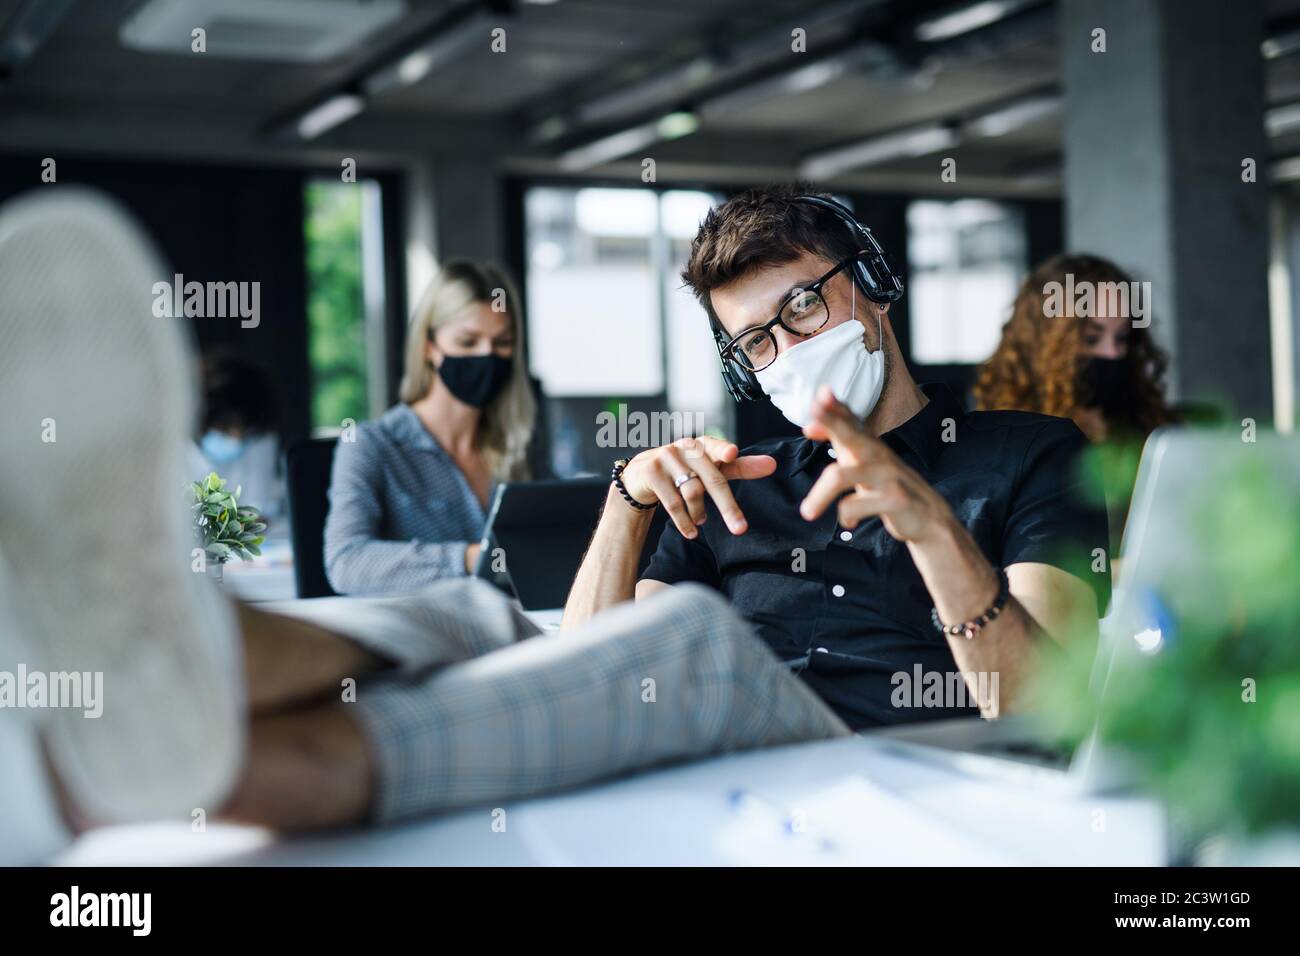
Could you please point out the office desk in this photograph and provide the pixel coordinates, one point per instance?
(850, 800)
(266, 578)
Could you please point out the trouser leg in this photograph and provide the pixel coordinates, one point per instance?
(674, 677)
(442, 624)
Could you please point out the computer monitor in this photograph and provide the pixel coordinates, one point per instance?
(1169, 547)
(537, 533)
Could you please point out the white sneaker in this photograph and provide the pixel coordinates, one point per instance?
(97, 401)
(31, 826)
(31, 829)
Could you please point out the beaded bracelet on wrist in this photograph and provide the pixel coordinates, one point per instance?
(617, 477)
(970, 629)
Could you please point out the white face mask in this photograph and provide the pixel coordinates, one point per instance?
(836, 357)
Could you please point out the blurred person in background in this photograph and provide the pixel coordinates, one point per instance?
(1100, 370)
(238, 432)
(409, 498)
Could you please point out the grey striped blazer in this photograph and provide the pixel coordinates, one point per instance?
(401, 513)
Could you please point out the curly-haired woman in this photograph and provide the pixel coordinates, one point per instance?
(1090, 364)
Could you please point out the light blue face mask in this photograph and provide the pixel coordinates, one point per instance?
(220, 448)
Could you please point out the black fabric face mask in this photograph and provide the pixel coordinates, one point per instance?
(475, 379)
(1104, 386)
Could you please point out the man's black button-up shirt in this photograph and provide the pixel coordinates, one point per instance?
(848, 609)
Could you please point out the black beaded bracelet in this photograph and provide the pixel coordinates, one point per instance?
(617, 476)
(971, 628)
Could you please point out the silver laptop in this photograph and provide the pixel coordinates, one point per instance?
(1162, 551)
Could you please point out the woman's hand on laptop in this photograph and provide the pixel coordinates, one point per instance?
(708, 464)
(471, 556)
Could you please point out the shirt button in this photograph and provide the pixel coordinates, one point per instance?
(846, 535)
(838, 590)
(831, 452)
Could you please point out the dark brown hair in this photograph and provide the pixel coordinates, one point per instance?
(1035, 367)
(762, 227)
(237, 394)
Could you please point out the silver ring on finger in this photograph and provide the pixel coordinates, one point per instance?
(682, 479)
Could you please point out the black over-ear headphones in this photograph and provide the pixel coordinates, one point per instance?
(871, 273)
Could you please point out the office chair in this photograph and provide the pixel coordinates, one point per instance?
(307, 473)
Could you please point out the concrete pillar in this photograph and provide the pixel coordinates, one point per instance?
(420, 231)
(1284, 293)
(1156, 130)
(468, 209)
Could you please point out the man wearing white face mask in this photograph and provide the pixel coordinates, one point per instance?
(900, 535)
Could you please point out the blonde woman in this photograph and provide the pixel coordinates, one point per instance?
(408, 498)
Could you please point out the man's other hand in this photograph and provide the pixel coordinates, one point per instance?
(654, 475)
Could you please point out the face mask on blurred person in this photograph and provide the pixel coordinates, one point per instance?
(1104, 386)
(837, 357)
(475, 379)
(220, 448)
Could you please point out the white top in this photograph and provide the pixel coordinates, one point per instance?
(257, 471)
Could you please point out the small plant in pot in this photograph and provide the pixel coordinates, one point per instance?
(222, 527)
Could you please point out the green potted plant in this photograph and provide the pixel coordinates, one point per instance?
(1214, 723)
(222, 527)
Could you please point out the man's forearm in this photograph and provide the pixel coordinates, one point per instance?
(963, 584)
(608, 572)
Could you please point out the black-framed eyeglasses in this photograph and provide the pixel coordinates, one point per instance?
(803, 313)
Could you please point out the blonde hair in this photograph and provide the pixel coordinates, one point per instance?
(507, 422)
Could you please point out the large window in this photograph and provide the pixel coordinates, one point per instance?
(694, 379)
(966, 258)
(593, 307)
(345, 301)
(609, 323)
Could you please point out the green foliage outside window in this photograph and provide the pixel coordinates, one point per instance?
(335, 303)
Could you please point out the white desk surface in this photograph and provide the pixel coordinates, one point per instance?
(854, 803)
(266, 578)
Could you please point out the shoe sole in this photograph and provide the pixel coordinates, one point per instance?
(95, 523)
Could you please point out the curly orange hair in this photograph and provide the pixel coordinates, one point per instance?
(1036, 365)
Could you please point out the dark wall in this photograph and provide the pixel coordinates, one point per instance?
(1044, 230)
(216, 223)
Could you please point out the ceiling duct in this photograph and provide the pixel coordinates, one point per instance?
(27, 30)
(303, 31)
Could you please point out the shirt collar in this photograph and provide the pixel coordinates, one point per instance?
(922, 433)
(405, 426)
